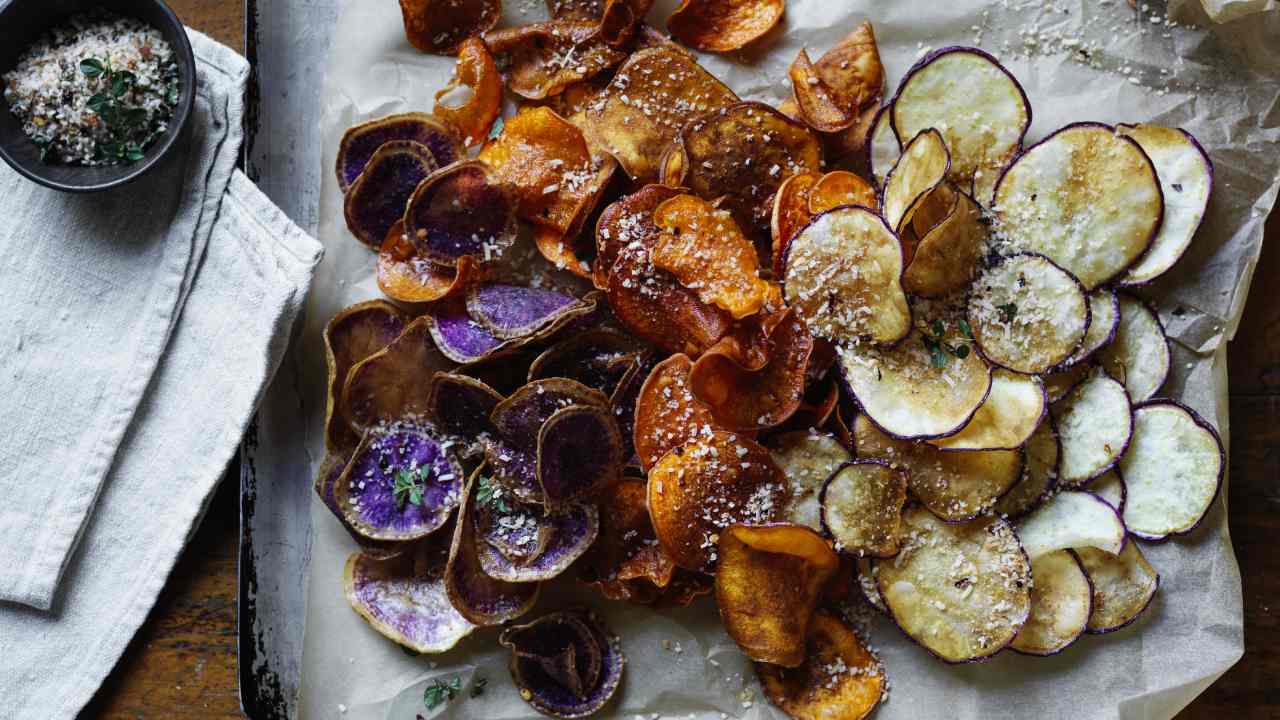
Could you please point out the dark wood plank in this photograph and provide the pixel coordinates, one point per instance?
(1254, 355)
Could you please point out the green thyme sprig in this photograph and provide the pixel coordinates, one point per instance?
(126, 125)
(489, 494)
(938, 347)
(1008, 312)
(408, 487)
(441, 692)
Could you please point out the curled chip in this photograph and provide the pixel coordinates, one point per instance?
(741, 398)
(405, 276)
(558, 539)
(742, 154)
(883, 148)
(1172, 471)
(790, 214)
(460, 405)
(477, 71)
(579, 452)
(1006, 419)
(1061, 600)
(386, 386)
(349, 337)
(461, 338)
(360, 142)
(642, 110)
(853, 72)
(1058, 383)
(1081, 183)
(704, 249)
(376, 200)
(545, 58)
(983, 123)
(961, 591)
(516, 311)
(596, 358)
(807, 459)
(461, 210)
(862, 507)
(1104, 322)
(823, 107)
(1095, 423)
(707, 484)
(668, 414)
(441, 26)
(1068, 520)
(768, 582)
(627, 222)
(567, 664)
(559, 249)
(724, 25)
(927, 386)
(547, 161)
(921, 169)
(1123, 586)
(1039, 474)
(946, 257)
(1139, 355)
(844, 278)
(481, 599)
(404, 598)
(622, 402)
(1027, 313)
(839, 679)
(626, 562)
(1112, 489)
(841, 187)
(955, 486)
(401, 484)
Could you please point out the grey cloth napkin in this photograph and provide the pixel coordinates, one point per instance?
(140, 327)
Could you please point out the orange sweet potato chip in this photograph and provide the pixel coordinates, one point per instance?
(745, 399)
(441, 26)
(790, 213)
(476, 70)
(545, 58)
(842, 188)
(700, 488)
(707, 253)
(724, 25)
(823, 107)
(667, 412)
(839, 679)
(625, 562)
(404, 276)
(768, 582)
(852, 70)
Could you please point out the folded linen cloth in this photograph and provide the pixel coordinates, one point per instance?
(142, 326)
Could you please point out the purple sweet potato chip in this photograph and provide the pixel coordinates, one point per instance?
(351, 336)
(400, 484)
(596, 358)
(480, 598)
(362, 141)
(461, 210)
(460, 404)
(460, 338)
(516, 311)
(540, 668)
(579, 452)
(390, 385)
(563, 538)
(404, 597)
(378, 197)
(326, 480)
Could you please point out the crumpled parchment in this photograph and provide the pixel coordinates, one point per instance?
(1097, 60)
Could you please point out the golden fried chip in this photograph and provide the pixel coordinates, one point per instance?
(700, 488)
(406, 277)
(625, 562)
(790, 214)
(652, 96)
(768, 581)
(852, 73)
(821, 106)
(707, 253)
(946, 258)
(667, 412)
(839, 679)
(545, 58)
(476, 70)
(842, 188)
(745, 399)
(441, 26)
(556, 247)
(724, 25)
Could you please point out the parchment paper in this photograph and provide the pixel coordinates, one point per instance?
(1077, 61)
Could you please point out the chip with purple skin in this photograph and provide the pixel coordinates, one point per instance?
(377, 198)
(460, 338)
(460, 211)
(327, 477)
(567, 664)
(362, 141)
(579, 452)
(557, 539)
(481, 599)
(516, 311)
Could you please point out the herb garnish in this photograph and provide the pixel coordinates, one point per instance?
(1008, 311)
(478, 687)
(488, 494)
(496, 130)
(440, 692)
(126, 125)
(408, 487)
(937, 345)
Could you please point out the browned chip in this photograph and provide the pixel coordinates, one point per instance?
(724, 25)
(667, 413)
(852, 70)
(351, 336)
(842, 188)
(946, 258)
(790, 213)
(768, 581)
(708, 254)
(391, 384)
(405, 276)
(476, 70)
(823, 107)
(839, 679)
(441, 26)
(626, 563)
(545, 58)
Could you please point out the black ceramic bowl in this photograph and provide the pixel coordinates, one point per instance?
(22, 22)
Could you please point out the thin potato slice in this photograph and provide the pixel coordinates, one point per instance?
(1139, 356)
(909, 393)
(955, 486)
(839, 680)
(853, 71)
(405, 276)
(1094, 424)
(1039, 474)
(1061, 382)
(1061, 600)
(862, 507)
(768, 582)
(1006, 419)
(1110, 487)
(1123, 586)
(707, 484)
(947, 256)
(1069, 520)
(441, 26)
(667, 412)
(642, 110)
(1086, 197)
(883, 149)
(978, 105)
(844, 278)
(476, 70)
(723, 26)
(922, 167)
(352, 335)
(1104, 321)
(1172, 470)
(1186, 180)
(360, 142)
(376, 200)
(543, 59)
(458, 211)
(790, 215)
(823, 107)
(841, 187)
(807, 459)
(1027, 313)
(961, 591)
(704, 249)
(391, 384)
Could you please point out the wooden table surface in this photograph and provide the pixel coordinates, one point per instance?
(182, 664)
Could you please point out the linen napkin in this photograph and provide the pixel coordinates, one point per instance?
(142, 326)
